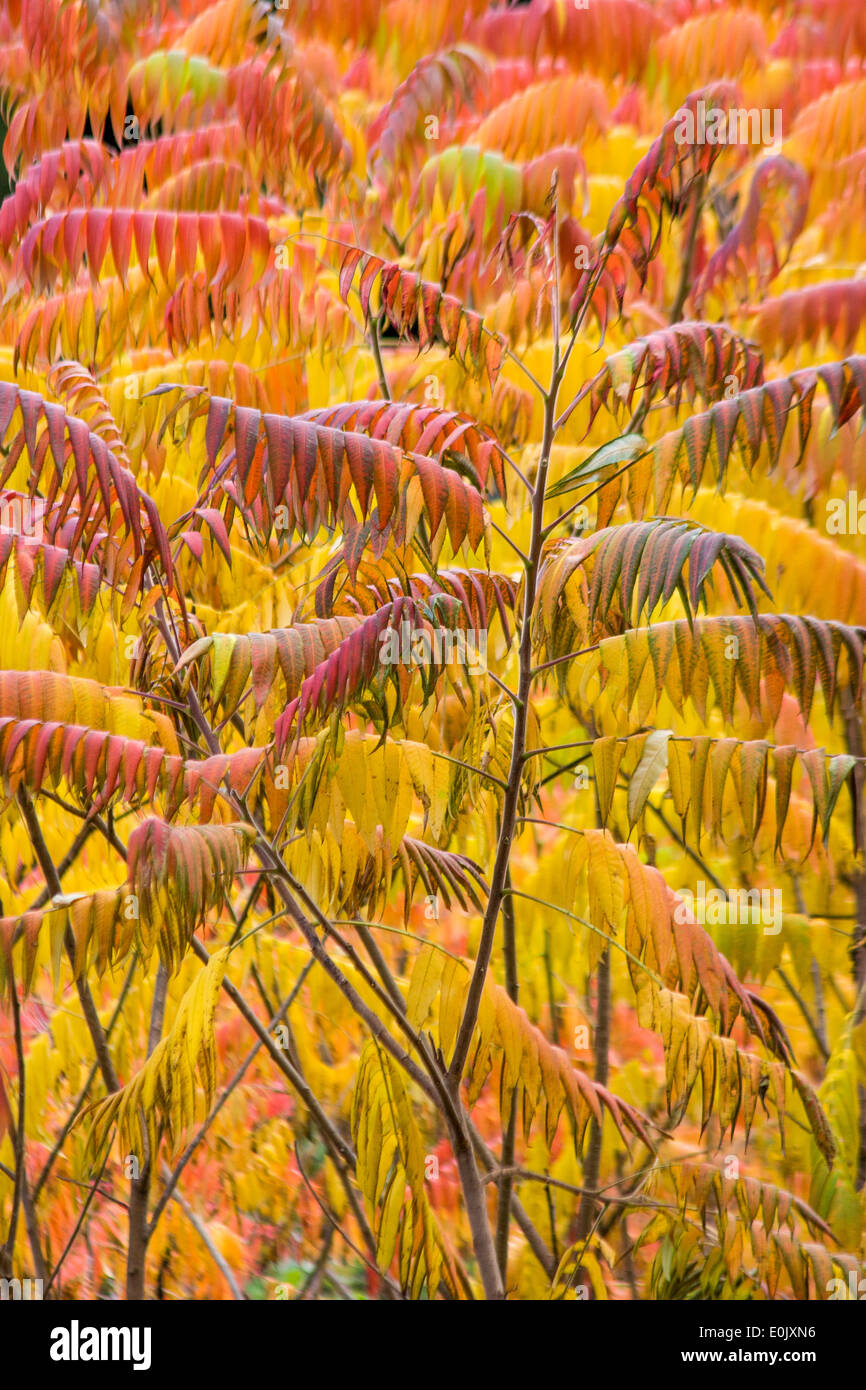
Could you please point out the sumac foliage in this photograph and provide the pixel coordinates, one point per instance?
(432, 624)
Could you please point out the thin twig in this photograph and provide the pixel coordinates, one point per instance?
(377, 357)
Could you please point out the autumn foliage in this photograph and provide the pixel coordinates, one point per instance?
(432, 624)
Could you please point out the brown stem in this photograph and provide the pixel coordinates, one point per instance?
(436, 1087)
(313, 1282)
(22, 1196)
(66, 862)
(22, 1189)
(513, 781)
(377, 358)
(91, 1076)
(8, 1248)
(204, 1236)
(94, 1188)
(291, 891)
(591, 1169)
(88, 1008)
(506, 1182)
(475, 1201)
(854, 733)
(175, 1174)
(472, 1187)
(40, 1268)
(341, 1152)
(139, 1188)
(587, 1214)
(487, 1159)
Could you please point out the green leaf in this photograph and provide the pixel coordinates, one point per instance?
(654, 760)
(616, 451)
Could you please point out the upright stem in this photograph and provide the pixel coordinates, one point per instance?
(377, 358)
(854, 732)
(88, 1008)
(469, 1176)
(590, 1209)
(204, 1236)
(7, 1250)
(22, 1191)
(292, 894)
(506, 1182)
(139, 1188)
(587, 1211)
(83, 1093)
(518, 749)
